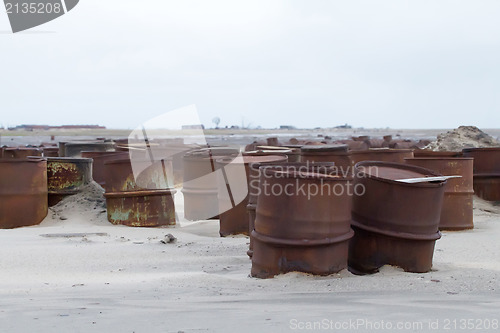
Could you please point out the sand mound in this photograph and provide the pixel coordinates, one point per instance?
(463, 137)
(89, 202)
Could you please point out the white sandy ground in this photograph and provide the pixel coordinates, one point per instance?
(127, 281)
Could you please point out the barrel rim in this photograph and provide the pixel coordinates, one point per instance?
(436, 158)
(382, 150)
(31, 159)
(69, 159)
(324, 148)
(482, 149)
(357, 171)
(139, 193)
(229, 159)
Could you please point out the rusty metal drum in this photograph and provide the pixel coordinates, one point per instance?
(200, 182)
(457, 210)
(141, 208)
(254, 186)
(123, 175)
(99, 158)
(299, 230)
(486, 172)
(338, 154)
(235, 220)
(21, 152)
(66, 176)
(23, 192)
(50, 152)
(395, 223)
(382, 154)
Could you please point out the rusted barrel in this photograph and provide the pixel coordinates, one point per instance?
(337, 154)
(23, 192)
(21, 152)
(395, 223)
(50, 152)
(254, 185)
(486, 172)
(141, 208)
(99, 158)
(382, 155)
(74, 149)
(456, 213)
(119, 175)
(234, 221)
(66, 176)
(200, 182)
(302, 223)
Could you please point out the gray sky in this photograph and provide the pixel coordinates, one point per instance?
(118, 63)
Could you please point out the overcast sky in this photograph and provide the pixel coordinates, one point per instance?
(309, 63)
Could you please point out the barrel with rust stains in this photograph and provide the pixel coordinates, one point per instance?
(305, 227)
(200, 182)
(338, 154)
(254, 185)
(21, 152)
(23, 192)
(141, 208)
(99, 158)
(66, 176)
(456, 213)
(486, 172)
(233, 209)
(382, 155)
(395, 223)
(125, 175)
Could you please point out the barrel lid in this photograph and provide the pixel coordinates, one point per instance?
(391, 172)
(324, 148)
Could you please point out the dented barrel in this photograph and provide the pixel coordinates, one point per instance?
(254, 186)
(395, 223)
(457, 210)
(23, 192)
(141, 208)
(302, 222)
